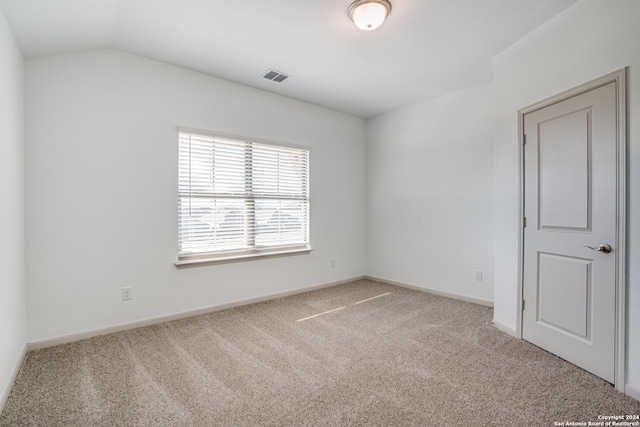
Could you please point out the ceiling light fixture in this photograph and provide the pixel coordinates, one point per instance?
(369, 14)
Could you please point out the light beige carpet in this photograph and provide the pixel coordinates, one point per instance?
(405, 358)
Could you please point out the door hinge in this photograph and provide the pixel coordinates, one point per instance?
(524, 139)
(524, 222)
(523, 301)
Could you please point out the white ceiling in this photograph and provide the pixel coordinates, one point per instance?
(426, 48)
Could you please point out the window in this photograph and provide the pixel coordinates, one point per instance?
(240, 198)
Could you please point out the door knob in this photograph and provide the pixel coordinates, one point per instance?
(602, 248)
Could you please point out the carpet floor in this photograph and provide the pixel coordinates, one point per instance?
(360, 354)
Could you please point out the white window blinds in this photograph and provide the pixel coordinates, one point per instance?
(239, 197)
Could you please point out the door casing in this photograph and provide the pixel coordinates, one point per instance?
(619, 77)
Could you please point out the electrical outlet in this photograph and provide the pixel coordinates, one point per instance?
(333, 263)
(127, 294)
(479, 275)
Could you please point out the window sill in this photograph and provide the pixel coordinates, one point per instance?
(223, 259)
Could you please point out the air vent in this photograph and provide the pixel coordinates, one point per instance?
(275, 76)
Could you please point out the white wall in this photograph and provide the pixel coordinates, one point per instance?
(101, 190)
(12, 264)
(586, 41)
(430, 189)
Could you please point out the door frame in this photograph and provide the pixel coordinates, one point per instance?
(618, 77)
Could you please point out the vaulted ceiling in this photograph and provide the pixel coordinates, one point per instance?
(426, 48)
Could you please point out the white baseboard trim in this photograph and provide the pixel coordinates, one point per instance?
(505, 328)
(64, 339)
(632, 391)
(12, 378)
(433, 291)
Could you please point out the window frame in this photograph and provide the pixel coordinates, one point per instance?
(252, 251)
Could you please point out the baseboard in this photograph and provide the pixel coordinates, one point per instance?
(632, 391)
(12, 378)
(434, 291)
(505, 328)
(64, 339)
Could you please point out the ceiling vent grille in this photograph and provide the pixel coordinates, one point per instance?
(275, 76)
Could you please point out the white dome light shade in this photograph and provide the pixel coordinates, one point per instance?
(369, 14)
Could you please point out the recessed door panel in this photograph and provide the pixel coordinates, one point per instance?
(564, 172)
(564, 294)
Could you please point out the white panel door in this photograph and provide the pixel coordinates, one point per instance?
(570, 204)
